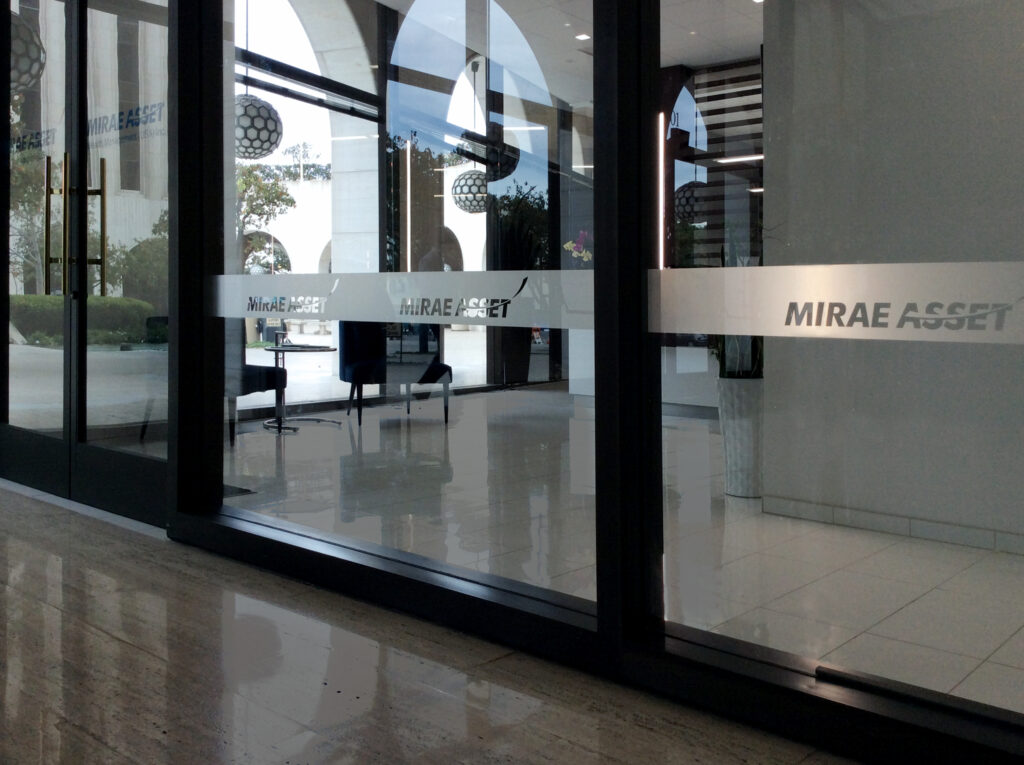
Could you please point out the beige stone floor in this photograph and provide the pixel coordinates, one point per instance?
(119, 646)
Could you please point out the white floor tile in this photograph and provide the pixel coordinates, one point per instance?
(709, 549)
(794, 634)
(998, 575)
(762, 532)
(849, 599)
(906, 662)
(701, 609)
(1011, 652)
(930, 563)
(965, 624)
(836, 548)
(758, 579)
(582, 583)
(995, 684)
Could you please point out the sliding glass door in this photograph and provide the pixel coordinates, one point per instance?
(85, 412)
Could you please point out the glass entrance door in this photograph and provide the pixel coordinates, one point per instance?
(85, 412)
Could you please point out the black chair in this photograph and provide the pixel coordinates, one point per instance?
(434, 373)
(255, 379)
(363, 349)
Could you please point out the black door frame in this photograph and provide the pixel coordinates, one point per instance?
(624, 638)
(69, 466)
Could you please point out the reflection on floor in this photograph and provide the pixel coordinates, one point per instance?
(508, 489)
(119, 646)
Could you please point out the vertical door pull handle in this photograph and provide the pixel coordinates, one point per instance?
(101, 192)
(48, 260)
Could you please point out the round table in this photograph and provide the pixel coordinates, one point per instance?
(277, 422)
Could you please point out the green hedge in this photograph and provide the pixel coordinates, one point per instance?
(45, 314)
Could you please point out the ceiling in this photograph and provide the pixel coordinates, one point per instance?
(701, 33)
(695, 33)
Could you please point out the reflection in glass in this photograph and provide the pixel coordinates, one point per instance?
(470, 446)
(36, 220)
(127, 252)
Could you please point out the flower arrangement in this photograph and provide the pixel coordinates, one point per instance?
(578, 249)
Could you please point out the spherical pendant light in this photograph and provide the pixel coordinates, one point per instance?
(28, 58)
(470, 191)
(689, 203)
(258, 128)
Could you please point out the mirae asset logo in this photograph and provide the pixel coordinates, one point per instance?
(470, 308)
(289, 303)
(925, 315)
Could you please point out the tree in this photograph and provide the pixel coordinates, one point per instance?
(304, 166)
(266, 255)
(141, 270)
(262, 196)
(27, 206)
(523, 229)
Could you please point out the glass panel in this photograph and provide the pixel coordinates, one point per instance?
(128, 230)
(846, 488)
(37, 217)
(417, 249)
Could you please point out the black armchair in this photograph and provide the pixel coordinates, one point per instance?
(362, 346)
(363, 349)
(254, 379)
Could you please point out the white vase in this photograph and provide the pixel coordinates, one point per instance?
(740, 413)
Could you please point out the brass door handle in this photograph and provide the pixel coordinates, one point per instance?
(64, 260)
(47, 182)
(65, 227)
(65, 257)
(101, 192)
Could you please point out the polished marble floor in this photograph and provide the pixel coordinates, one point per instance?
(119, 646)
(508, 489)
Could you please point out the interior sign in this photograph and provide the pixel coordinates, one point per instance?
(459, 307)
(297, 304)
(533, 299)
(980, 302)
(934, 315)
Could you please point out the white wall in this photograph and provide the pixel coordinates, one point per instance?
(893, 135)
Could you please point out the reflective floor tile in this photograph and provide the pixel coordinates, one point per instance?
(906, 662)
(784, 632)
(970, 625)
(849, 599)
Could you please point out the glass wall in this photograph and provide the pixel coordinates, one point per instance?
(37, 164)
(126, 258)
(841, 338)
(408, 297)
(127, 308)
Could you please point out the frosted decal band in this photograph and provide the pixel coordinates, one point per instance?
(950, 302)
(556, 299)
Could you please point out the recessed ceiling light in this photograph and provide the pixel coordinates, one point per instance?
(756, 191)
(583, 36)
(758, 1)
